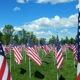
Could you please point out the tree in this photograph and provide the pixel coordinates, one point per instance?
(76, 39)
(43, 40)
(8, 31)
(1, 34)
(16, 38)
(67, 40)
(33, 38)
(63, 41)
(52, 40)
(22, 36)
(71, 40)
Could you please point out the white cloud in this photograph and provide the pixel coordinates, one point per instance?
(53, 1)
(40, 25)
(20, 1)
(16, 8)
(47, 35)
(17, 28)
(56, 22)
(65, 31)
(27, 1)
(77, 6)
(1, 29)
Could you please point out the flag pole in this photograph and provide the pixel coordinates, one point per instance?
(10, 57)
(74, 62)
(29, 68)
(54, 58)
(66, 54)
(24, 51)
(29, 60)
(38, 45)
(57, 75)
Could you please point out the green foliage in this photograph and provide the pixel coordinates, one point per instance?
(43, 40)
(1, 34)
(7, 31)
(52, 40)
(48, 67)
(21, 36)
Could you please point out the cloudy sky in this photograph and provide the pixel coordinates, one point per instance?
(44, 17)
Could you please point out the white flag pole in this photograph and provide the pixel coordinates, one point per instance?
(29, 60)
(74, 62)
(54, 58)
(57, 75)
(38, 46)
(66, 54)
(25, 55)
(29, 68)
(10, 57)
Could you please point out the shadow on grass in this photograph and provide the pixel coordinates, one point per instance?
(22, 71)
(49, 57)
(61, 78)
(7, 57)
(45, 62)
(38, 75)
(75, 66)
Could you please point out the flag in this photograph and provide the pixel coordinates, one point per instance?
(45, 47)
(78, 66)
(75, 52)
(17, 54)
(32, 54)
(4, 70)
(59, 56)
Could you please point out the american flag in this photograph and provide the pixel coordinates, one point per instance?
(78, 66)
(75, 52)
(6, 48)
(32, 54)
(17, 55)
(59, 56)
(4, 70)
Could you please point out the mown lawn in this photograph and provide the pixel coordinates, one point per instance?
(47, 71)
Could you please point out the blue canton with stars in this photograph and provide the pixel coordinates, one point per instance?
(1, 50)
(79, 37)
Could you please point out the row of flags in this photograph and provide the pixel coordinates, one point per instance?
(32, 53)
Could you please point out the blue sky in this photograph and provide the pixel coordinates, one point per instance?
(44, 17)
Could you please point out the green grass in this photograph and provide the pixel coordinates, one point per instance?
(48, 69)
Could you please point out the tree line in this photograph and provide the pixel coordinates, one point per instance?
(21, 36)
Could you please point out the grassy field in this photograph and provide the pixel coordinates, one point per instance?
(47, 71)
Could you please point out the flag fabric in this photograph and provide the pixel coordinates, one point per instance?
(63, 48)
(6, 48)
(75, 52)
(45, 48)
(59, 56)
(78, 66)
(32, 53)
(17, 55)
(4, 70)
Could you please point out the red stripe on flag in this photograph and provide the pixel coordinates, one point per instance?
(8, 77)
(78, 77)
(2, 68)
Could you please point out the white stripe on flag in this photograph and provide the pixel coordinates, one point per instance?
(78, 69)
